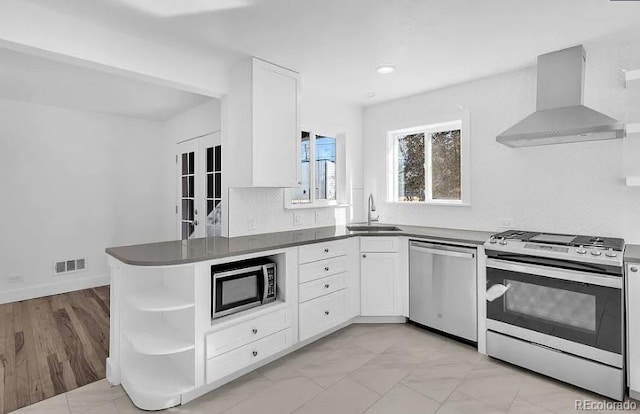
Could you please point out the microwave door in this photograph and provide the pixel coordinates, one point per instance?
(237, 291)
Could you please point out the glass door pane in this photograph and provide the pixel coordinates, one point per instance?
(187, 191)
(213, 192)
(302, 194)
(326, 184)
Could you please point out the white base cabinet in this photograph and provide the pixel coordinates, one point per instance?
(381, 287)
(378, 272)
(249, 354)
(166, 350)
(633, 328)
(326, 283)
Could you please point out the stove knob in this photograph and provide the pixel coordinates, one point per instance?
(611, 253)
(596, 252)
(503, 241)
(581, 250)
(492, 240)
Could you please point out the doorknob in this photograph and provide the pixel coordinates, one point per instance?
(633, 269)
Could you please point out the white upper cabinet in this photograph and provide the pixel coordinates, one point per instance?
(263, 126)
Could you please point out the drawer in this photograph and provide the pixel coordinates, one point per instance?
(379, 244)
(244, 356)
(320, 287)
(319, 251)
(321, 314)
(227, 339)
(322, 268)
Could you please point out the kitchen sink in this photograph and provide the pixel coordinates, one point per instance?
(373, 228)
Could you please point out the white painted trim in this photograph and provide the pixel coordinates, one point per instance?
(39, 291)
(379, 319)
(633, 181)
(630, 76)
(633, 128)
(453, 120)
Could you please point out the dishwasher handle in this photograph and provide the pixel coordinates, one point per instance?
(443, 250)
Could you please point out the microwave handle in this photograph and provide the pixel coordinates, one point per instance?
(265, 283)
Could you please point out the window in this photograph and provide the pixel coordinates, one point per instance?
(428, 164)
(320, 172)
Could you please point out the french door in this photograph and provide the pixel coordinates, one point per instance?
(199, 185)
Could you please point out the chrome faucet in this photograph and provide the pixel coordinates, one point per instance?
(371, 207)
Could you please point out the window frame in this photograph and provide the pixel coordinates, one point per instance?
(341, 171)
(444, 123)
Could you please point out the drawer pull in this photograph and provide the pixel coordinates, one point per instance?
(326, 250)
(364, 256)
(255, 353)
(326, 312)
(633, 269)
(254, 331)
(326, 286)
(326, 269)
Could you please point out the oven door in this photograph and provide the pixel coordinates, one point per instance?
(573, 311)
(237, 290)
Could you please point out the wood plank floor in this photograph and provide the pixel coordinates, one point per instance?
(52, 345)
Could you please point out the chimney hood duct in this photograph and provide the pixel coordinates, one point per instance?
(560, 115)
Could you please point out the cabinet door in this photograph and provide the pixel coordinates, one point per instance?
(378, 274)
(276, 127)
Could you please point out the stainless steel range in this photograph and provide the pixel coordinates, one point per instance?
(555, 305)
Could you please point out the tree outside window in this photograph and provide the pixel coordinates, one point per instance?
(427, 165)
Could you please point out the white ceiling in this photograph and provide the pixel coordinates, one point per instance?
(337, 44)
(40, 80)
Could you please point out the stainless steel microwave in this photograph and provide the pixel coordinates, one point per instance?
(242, 285)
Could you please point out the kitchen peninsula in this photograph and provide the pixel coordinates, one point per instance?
(166, 349)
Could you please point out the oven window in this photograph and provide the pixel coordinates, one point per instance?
(569, 308)
(239, 290)
(580, 312)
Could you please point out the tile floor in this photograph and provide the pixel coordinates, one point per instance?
(372, 369)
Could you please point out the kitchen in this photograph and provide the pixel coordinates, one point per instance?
(580, 188)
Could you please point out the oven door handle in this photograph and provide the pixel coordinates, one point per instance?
(555, 273)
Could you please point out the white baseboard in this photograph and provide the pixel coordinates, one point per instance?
(39, 291)
(379, 319)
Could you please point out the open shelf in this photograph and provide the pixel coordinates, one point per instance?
(158, 299)
(633, 181)
(155, 377)
(159, 338)
(632, 128)
(632, 77)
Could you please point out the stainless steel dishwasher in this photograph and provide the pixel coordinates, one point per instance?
(443, 288)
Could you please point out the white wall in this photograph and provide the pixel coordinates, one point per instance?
(73, 183)
(265, 206)
(573, 188)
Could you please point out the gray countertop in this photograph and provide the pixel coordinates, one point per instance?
(632, 253)
(196, 250)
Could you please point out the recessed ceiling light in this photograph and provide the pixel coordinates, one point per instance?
(384, 69)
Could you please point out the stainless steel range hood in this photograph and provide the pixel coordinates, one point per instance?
(560, 115)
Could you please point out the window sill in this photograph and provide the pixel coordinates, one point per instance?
(429, 204)
(309, 206)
